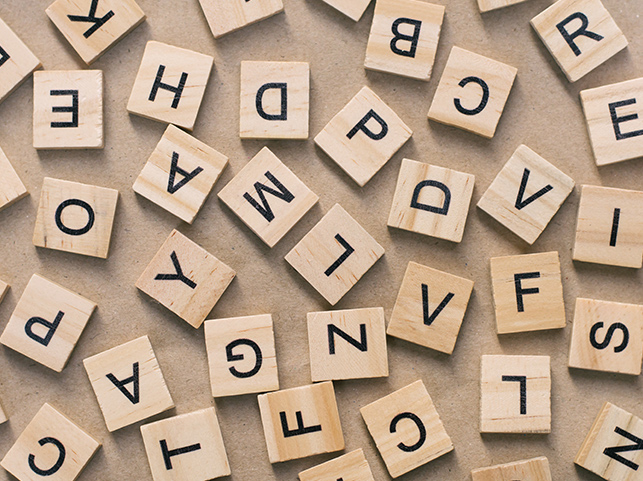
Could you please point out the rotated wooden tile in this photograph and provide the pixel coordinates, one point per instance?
(349, 467)
(17, 62)
(353, 9)
(4, 288)
(536, 469)
(11, 187)
(225, 16)
(488, 5)
(3, 417)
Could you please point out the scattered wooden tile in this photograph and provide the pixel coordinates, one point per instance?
(536, 469)
(170, 84)
(50, 447)
(3, 417)
(335, 254)
(488, 5)
(47, 322)
(92, 27)
(185, 278)
(349, 344)
(68, 109)
(472, 92)
(271, 218)
(241, 355)
(430, 308)
(75, 217)
(11, 187)
(301, 422)
(526, 194)
(515, 394)
(189, 446)
(607, 336)
(275, 98)
(612, 448)
(431, 200)
(353, 9)
(580, 35)
(225, 16)
(528, 292)
(349, 467)
(394, 422)
(128, 383)
(609, 229)
(4, 288)
(180, 174)
(17, 62)
(363, 136)
(393, 48)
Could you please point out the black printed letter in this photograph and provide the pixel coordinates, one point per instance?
(158, 84)
(167, 454)
(430, 317)
(616, 120)
(179, 273)
(615, 221)
(174, 169)
(417, 25)
(50, 326)
(57, 465)
(284, 101)
(4, 56)
(361, 125)
(521, 202)
(300, 429)
(133, 398)
(421, 428)
(91, 18)
(483, 101)
(361, 345)
(340, 260)
(523, 390)
(608, 337)
(239, 357)
(91, 217)
(73, 109)
(444, 209)
(264, 209)
(613, 452)
(569, 37)
(520, 291)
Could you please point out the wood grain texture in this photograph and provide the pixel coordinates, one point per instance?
(11, 187)
(489, 5)
(225, 16)
(536, 469)
(20, 64)
(353, 9)
(352, 466)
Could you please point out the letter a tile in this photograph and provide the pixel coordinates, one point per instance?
(335, 254)
(536, 469)
(349, 467)
(17, 62)
(11, 187)
(225, 16)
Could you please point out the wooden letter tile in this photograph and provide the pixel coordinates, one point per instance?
(17, 62)
(180, 174)
(363, 136)
(128, 383)
(93, 26)
(526, 194)
(431, 200)
(536, 469)
(47, 322)
(75, 217)
(11, 187)
(609, 229)
(170, 84)
(528, 292)
(404, 37)
(580, 35)
(407, 429)
(185, 278)
(4, 288)
(225, 16)
(472, 92)
(275, 98)
(335, 254)
(241, 355)
(353, 9)
(50, 447)
(430, 308)
(605, 449)
(186, 447)
(607, 336)
(68, 109)
(268, 197)
(488, 5)
(349, 467)
(301, 422)
(347, 344)
(3, 417)
(515, 394)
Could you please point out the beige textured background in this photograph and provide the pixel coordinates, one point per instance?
(543, 112)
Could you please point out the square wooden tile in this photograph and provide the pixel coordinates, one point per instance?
(180, 174)
(75, 217)
(526, 194)
(92, 27)
(335, 254)
(128, 383)
(430, 308)
(268, 197)
(17, 62)
(189, 446)
(353, 9)
(609, 229)
(536, 469)
(68, 109)
(607, 336)
(472, 92)
(528, 292)
(225, 16)
(404, 38)
(301, 422)
(614, 116)
(4, 288)
(47, 323)
(431, 200)
(515, 394)
(363, 136)
(349, 344)
(399, 424)
(185, 278)
(580, 35)
(349, 467)
(50, 447)
(488, 5)
(11, 187)
(241, 355)
(275, 98)
(170, 84)
(3, 417)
